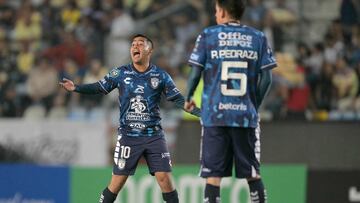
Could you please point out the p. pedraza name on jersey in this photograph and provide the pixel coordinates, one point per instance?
(231, 54)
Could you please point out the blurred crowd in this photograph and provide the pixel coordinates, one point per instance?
(43, 41)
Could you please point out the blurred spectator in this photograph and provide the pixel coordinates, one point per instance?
(349, 17)
(50, 23)
(87, 34)
(346, 84)
(25, 59)
(315, 61)
(357, 101)
(140, 7)
(69, 48)
(71, 70)
(9, 102)
(325, 90)
(27, 25)
(122, 28)
(7, 58)
(95, 73)
(298, 97)
(255, 14)
(7, 15)
(282, 13)
(59, 109)
(273, 32)
(331, 51)
(70, 15)
(42, 83)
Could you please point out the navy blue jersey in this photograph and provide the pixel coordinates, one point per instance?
(139, 97)
(232, 56)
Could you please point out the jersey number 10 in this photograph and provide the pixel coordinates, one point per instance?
(225, 76)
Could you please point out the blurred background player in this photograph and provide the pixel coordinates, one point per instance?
(140, 85)
(236, 62)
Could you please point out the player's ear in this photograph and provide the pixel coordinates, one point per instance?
(223, 12)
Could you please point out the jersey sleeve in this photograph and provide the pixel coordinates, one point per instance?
(109, 82)
(198, 55)
(170, 89)
(267, 59)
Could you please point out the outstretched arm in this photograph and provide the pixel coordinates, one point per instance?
(263, 86)
(93, 88)
(193, 81)
(179, 101)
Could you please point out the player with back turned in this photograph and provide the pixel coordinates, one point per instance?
(235, 61)
(140, 85)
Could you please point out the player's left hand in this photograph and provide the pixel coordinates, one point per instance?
(189, 105)
(67, 84)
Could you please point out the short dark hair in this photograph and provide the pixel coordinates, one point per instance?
(235, 8)
(144, 36)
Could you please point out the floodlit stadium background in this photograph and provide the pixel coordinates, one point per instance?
(57, 147)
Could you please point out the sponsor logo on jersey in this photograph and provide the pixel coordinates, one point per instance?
(138, 110)
(129, 72)
(154, 82)
(206, 170)
(235, 39)
(231, 106)
(197, 43)
(164, 155)
(194, 57)
(137, 125)
(154, 74)
(139, 89)
(176, 90)
(127, 80)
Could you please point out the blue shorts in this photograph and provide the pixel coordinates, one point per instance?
(130, 149)
(222, 146)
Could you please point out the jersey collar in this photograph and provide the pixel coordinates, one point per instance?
(233, 23)
(142, 73)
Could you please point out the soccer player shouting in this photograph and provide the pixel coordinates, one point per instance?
(140, 85)
(236, 64)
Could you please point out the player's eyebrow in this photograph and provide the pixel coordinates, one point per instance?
(141, 40)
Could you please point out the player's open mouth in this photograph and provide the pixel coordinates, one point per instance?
(136, 53)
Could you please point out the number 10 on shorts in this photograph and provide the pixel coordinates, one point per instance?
(123, 151)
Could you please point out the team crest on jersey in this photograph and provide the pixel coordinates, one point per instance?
(114, 73)
(154, 82)
(121, 163)
(138, 109)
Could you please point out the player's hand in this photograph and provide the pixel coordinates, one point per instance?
(189, 106)
(67, 84)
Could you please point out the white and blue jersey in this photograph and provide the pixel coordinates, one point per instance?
(231, 56)
(139, 97)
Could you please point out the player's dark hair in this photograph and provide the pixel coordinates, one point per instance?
(235, 8)
(144, 36)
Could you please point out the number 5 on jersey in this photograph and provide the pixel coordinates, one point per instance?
(225, 76)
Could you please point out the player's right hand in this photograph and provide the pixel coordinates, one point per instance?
(67, 84)
(189, 105)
